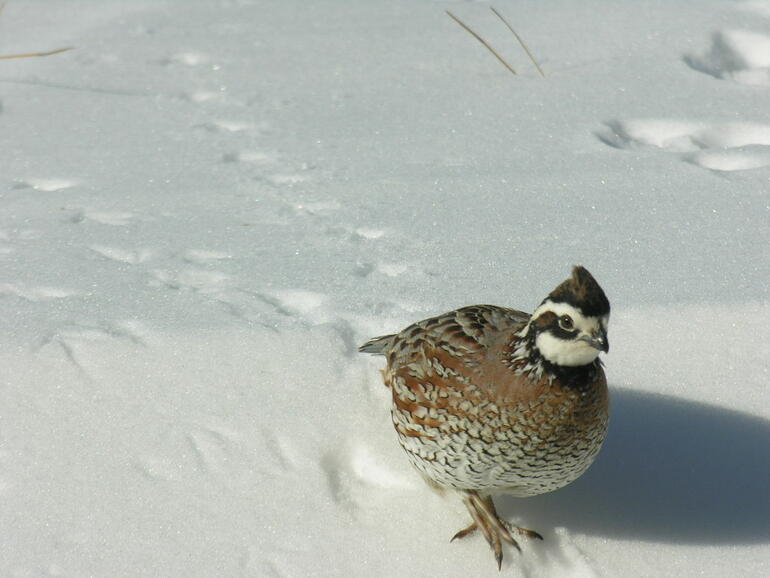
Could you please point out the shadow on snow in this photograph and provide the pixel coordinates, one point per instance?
(670, 471)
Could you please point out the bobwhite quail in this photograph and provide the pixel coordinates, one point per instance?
(492, 400)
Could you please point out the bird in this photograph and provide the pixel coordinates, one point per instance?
(489, 400)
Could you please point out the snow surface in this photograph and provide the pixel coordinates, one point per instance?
(206, 206)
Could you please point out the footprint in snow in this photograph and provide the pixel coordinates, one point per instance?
(721, 147)
(45, 185)
(35, 293)
(202, 96)
(221, 289)
(733, 159)
(738, 55)
(387, 269)
(313, 209)
(195, 280)
(352, 472)
(230, 126)
(202, 256)
(279, 454)
(129, 256)
(253, 157)
(111, 218)
(369, 233)
(287, 179)
(130, 331)
(182, 451)
(186, 59)
(81, 343)
(212, 448)
(305, 305)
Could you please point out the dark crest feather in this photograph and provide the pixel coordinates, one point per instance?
(582, 291)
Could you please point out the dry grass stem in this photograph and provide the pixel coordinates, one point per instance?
(35, 54)
(483, 42)
(524, 46)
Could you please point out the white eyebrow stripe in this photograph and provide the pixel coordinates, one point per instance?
(582, 322)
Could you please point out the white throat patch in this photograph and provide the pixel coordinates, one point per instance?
(569, 352)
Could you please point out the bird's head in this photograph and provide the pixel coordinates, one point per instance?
(569, 328)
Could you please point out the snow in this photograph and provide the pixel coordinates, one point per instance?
(208, 205)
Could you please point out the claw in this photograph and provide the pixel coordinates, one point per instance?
(486, 519)
(529, 533)
(464, 532)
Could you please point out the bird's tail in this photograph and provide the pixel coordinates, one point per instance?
(377, 346)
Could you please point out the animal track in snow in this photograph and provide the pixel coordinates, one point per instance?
(77, 341)
(364, 269)
(130, 256)
(200, 280)
(315, 208)
(733, 159)
(114, 218)
(337, 478)
(558, 555)
(39, 293)
(387, 269)
(186, 58)
(739, 55)
(308, 305)
(128, 330)
(303, 308)
(212, 448)
(280, 455)
(249, 156)
(287, 179)
(392, 269)
(230, 126)
(201, 96)
(721, 147)
(368, 233)
(351, 471)
(206, 450)
(220, 288)
(373, 472)
(46, 185)
(203, 256)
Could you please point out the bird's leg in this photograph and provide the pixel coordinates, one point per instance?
(490, 506)
(481, 521)
(486, 519)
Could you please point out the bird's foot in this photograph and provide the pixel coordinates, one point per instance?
(494, 530)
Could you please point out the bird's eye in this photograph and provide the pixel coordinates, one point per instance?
(565, 322)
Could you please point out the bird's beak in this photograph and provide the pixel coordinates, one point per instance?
(598, 339)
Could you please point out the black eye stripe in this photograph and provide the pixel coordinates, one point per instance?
(562, 334)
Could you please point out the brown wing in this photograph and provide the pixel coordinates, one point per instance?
(464, 333)
(438, 369)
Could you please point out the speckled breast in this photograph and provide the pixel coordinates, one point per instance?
(532, 437)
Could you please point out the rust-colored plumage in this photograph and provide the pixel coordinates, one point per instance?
(492, 400)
